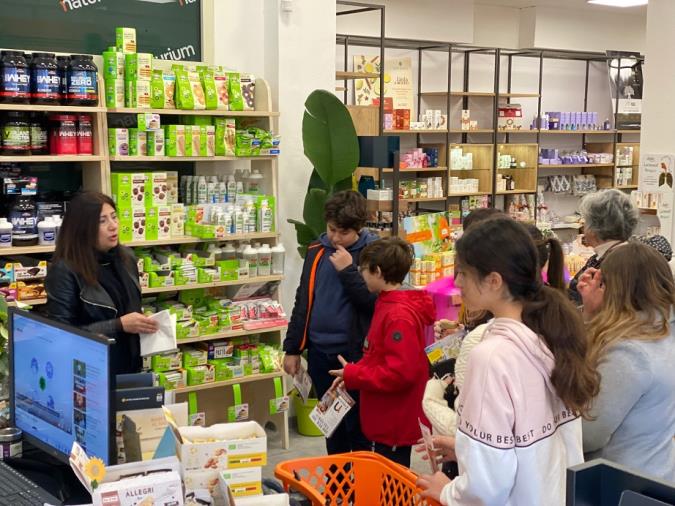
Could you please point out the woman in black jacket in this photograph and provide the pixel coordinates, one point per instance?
(92, 282)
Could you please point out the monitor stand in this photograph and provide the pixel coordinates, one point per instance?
(51, 474)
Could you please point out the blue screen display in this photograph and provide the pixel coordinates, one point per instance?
(61, 387)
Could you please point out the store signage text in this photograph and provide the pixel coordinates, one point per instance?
(69, 5)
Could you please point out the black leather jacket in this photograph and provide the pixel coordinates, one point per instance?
(72, 301)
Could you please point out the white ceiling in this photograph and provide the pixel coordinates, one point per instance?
(572, 4)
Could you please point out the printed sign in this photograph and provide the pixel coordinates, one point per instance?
(656, 172)
(169, 29)
(398, 83)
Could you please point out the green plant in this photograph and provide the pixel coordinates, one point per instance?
(330, 143)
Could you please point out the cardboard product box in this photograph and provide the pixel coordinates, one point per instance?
(138, 142)
(222, 368)
(29, 291)
(158, 222)
(138, 66)
(210, 140)
(510, 117)
(175, 140)
(207, 275)
(162, 279)
(115, 90)
(128, 189)
(29, 270)
(156, 489)
(225, 136)
(137, 94)
(187, 328)
(182, 311)
(193, 357)
(206, 479)
(241, 482)
(189, 146)
(144, 280)
(227, 446)
(132, 224)
(149, 121)
(171, 380)
(156, 189)
(156, 143)
(172, 187)
(167, 361)
(177, 220)
(118, 141)
(200, 374)
(203, 141)
(217, 349)
(113, 65)
(125, 39)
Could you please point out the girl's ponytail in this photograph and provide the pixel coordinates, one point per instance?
(556, 264)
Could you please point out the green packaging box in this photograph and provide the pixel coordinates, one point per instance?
(181, 311)
(225, 133)
(158, 224)
(223, 369)
(203, 141)
(171, 380)
(207, 275)
(132, 224)
(186, 329)
(137, 94)
(138, 66)
(156, 143)
(114, 93)
(125, 39)
(113, 65)
(167, 361)
(161, 279)
(229, 270)
(148, 121)
(200, 374)
(175, 140)
(193, 357)
(128, 189)
(195, 298)
(138, 142)
(118, 141)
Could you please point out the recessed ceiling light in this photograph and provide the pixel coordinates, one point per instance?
(619, 3)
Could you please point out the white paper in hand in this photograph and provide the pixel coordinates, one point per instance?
(165, 337)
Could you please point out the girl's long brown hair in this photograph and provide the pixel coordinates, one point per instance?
(639, 295)
(78, 235)
(505, 247)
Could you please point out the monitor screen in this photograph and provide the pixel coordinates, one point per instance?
(61, 386)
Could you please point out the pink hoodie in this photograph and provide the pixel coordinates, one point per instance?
(515, 437)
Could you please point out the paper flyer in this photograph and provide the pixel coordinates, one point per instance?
(331, 409)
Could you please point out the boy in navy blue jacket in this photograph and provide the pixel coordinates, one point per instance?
(333, 308)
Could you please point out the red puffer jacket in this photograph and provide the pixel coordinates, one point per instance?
(394, 369)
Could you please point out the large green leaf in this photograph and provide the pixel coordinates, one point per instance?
(315, 202)
(305, 234)
(329, 137)
(345, 184)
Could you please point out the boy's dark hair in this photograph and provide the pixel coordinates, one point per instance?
(392, 255)
(480, 214)
(347, 210)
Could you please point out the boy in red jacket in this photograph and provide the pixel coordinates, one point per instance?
(393, 372)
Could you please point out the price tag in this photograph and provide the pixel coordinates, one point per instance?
(196, 417)
(238, 412)
(281, 402)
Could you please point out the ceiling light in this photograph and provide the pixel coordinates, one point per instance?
(619, 3)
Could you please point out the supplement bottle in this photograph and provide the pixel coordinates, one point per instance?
(264, 260)
(39, 138)
(45, 83)
(254, 182)
(23, 216)
(251, 256)
(278, 259)
(82, 86)
(15, 134)
(85, 135)
(47, 232)
(5, 233)
(63, 134)
(14, 78)
(62, 71)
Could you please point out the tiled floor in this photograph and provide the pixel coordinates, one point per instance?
(302, 446)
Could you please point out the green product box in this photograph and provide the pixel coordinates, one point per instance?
(186, 329)
(138, 66)
(151, 264)
(222, 368)
(169, 257)
(266, 209)
(180, 279)
(224, 319)
(158, 224)
(189, 146)
(181, 311)
(113, 65)
(138, 142)
(125, 39)
(167, 361)
(225, 133)
(199, 120)
(207, 275)
(137, 94)
(132, 224)
(192, 357)
(118, 141)
(200, 258)
(147, 121)
(157, 90)
(114, 93)
(234, 91)
(229, 270)
(195, 298)
(203, 141)
(171, 380)
(161, 279)
(175, 140)
(128, 189)
(151, 223)
(156, 143)
(200, 374)
(208, 79)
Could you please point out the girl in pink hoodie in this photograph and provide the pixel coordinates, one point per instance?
(527, 383)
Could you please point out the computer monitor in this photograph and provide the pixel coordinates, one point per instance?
(604, 483)
(61, 386)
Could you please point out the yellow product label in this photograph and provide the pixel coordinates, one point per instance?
(246, 460)
(435, 355)
(246, 489)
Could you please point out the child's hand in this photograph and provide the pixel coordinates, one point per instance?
(341, 259)
(443, 328)
(432, 485)
(592, 290)
(444, 447)
(340, 373)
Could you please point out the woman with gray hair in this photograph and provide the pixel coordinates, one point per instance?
(610, 219)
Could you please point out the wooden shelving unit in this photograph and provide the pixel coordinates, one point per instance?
(415, 170)
(485, 94)
(52, 158)
(55, 108)
(258, 113)
(230, 334)
(230, 382)
(415, 132)
(342, 76)
(576, 165)
(469, 132)
(215, 284)
(151, 159)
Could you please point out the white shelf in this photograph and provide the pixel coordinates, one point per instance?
(32, 302)
(189, 158)
(194, 240)
(233, 381)
(52, 158)
(50, 108)
(215, 284)
(183, 112)
(230, 334)
(26, 250)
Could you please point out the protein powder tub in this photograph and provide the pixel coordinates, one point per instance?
(23, 216)
(10, 443)
(85, 135)
(14, 78)
(63, 134)
(62, 71)
(82, 86)
(15, 134)
(44, 79)
(39, 138)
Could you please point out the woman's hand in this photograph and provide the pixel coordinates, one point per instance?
(443, 328)
(444, 448)
(592, 290)
(432, 485)
(137, 323)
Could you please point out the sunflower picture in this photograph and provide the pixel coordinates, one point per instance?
(95, 471)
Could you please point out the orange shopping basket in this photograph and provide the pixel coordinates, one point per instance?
(358, 479)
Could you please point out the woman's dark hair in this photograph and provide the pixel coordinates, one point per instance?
(78, 235)
(479, 215)
(347, 210)
(549, 250)
(504, 246)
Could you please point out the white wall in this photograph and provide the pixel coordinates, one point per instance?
(496, 26)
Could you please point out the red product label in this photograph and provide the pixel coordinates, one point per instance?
(63, 139)
(85, 141)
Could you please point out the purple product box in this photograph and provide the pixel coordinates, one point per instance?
(575, 120)
(564, 121)
(584, 121)
(594, 120)
(554, 120)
